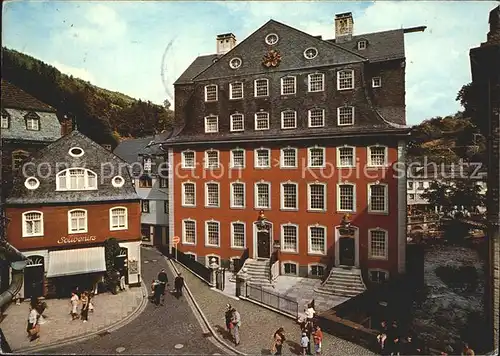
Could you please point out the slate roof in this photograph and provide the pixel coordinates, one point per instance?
(16, 98)
(45, 164)
(50, 128)
(129, 150)
(199, 65)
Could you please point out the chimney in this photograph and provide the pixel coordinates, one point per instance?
(225, 43)
(66, 126)
(343, 27)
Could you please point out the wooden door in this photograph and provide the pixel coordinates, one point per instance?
(263, 245)
(346, 250)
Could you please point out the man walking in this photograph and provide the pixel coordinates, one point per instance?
(179, 284)
(163, 279)
(236, 321)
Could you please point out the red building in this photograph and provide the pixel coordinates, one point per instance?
(309, 131)
(66, 201)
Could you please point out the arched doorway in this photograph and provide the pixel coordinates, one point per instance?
(34, 277)
(263, 233)
(121, 264)
(347, 246)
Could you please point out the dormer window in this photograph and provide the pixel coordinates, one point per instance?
(361, 45)
(76, 179)
(146, 164)
(32, 121)
(5, 123)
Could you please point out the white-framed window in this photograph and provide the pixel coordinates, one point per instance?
(378, 244)
(32, 223)
(288, 85)
(262, 158)
(288, 157)
(316, 270)
(77, 221)
(316, 117)
(289, 196)
(211, 92)
(211, 124)
(212, 233)
(290, 238)
(212, 198)
(236, 90)
(346, 156)
(191, 255)
(238, 158)
(378, 275)
(317, 239)
(32, 122)
(290, 268)
(316, 157)
(211, 159)
(237, 122)
(188, 232)
(238, 234)
(378, 199)
(377, 156)
(346, 198)
(410, 185)
(208, 259)
(263, 195)
(5, 123)
(345, 79)
(289, 119)
(361, 45)
(262, 120)
(188, 159)
(316, 196)
(261, 87)
(147, 163)
(315, 82)
(310, 53)
(272, 39)
(188, 194)
(376, 82)
(76, 179)
(145, 206)
(237, 195)
(118, 218)
(345, 115)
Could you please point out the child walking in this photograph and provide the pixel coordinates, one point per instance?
(304, 342)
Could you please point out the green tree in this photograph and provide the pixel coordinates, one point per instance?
(439, 194)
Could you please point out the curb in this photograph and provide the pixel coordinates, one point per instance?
(68, 341)
(205, 320)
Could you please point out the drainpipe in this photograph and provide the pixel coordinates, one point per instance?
(17, 262)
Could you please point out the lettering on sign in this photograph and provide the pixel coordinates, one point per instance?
(76, 239)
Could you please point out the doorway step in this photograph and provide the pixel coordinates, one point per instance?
(259, 270)
(343, 282)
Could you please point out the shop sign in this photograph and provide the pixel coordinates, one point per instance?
(76, 239)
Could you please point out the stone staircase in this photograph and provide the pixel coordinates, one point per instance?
(259, 271)
(344, 282)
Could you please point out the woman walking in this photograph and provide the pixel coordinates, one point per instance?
(278, 340)
(85, 307)
(318, 340)
(74, 305)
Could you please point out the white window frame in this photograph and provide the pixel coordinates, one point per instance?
(183, 159)
(282, 157)
(370, 270)
(386, 245)
(216, 93)
(183, 192)
(353, 116)
(282, 196)
(374, 82)
(206, 233)
(231, 198)
(256, 128)
(206, 123)
(292, 263)
(211, 150)
(309, 244)
(255, 88)
(339, 165)
(70, 232)
(361, 45)
(231, 94)
(184, 241)
(116, 228)
(352, 79)
(325, 193)
(256, 158)
(231, 118)
(353, 197)
(386, 198)
(256, 195)
(309, 83)
(309, 158)
(283, 119)
(67, 173)
(309, 269)
(231, 226)
(206, 194)
(25, 232)
(294, 85)
(296, 226)
(232, 158)
(208, 257)
(309, 121)
(369, 158)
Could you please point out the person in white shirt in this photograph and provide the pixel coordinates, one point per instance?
(310, 313)
(32, 324)
(74, 305)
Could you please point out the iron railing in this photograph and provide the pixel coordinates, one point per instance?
(192, 264)
(274, 300)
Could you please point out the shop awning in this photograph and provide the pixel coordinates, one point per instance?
(76, 261)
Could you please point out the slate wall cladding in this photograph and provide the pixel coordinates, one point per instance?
(392, 92)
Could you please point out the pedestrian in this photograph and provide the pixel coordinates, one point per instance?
(236, 324)
(394, 339)
(467, 350)
(228, 316)
(307, 327)
(310, 312)
(122, 282)
(91, 305)
(74, 305)
(382, 338)
(85, 307)
(179, 284)
(33, 328)
(318, 340)
(157, 293)
(163, 279)
(304, 342)
(278, 340)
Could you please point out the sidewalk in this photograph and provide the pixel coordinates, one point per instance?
(58, 326)
(258, 323)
